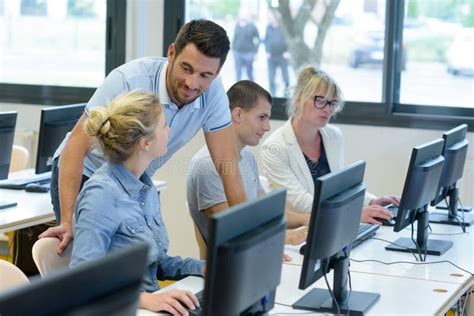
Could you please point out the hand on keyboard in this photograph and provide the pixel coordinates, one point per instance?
(372, 214)
(386, 199)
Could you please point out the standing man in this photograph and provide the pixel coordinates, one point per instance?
(192, 96)
(250, 107)
(277, 53)
(245, 45)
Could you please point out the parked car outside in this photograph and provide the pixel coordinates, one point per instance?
(459, 56)
(369, 49)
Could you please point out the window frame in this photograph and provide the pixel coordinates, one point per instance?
(389, 112)
(59, 95)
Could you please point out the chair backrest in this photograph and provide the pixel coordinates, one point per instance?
(265, 184)
(19, 158)
(10, 276)
(46, 257)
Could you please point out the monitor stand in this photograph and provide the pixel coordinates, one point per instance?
(425, 246)
(352, 303)
(7, 204)
(454, 216)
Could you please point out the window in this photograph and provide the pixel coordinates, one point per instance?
(34, 7)
(346, 39)
(58, 51)
(398, 62)
(82, 8)
(440, 40)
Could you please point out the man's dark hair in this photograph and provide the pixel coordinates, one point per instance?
(210, 39)
(245, 93)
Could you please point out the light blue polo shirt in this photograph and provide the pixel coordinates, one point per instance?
(210, 111)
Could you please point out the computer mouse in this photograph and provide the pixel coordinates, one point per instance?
(196, 311)
(385, 222)
(303, 249)
(36, 187)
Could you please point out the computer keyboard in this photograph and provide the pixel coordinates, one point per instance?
(364, 233)
(21, 183)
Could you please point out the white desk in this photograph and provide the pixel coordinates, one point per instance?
(405, 289)
(32, 208)
(398, 296)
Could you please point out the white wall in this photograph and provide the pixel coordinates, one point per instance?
(386, 150)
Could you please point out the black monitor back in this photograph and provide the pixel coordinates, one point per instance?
(245, 254)
(107, 286)
(335, 218)
(421, 182)
(7, 134)
(454, 153)
(55, 123)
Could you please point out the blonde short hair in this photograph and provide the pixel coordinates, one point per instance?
(123, 122)
(310, 80)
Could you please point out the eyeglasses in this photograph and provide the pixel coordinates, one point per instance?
(320, 102)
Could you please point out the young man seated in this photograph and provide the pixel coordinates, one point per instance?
(250, 107)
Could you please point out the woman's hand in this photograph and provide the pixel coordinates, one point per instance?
(296, 236)
(386, 199)
(175, 302)
(371, 214)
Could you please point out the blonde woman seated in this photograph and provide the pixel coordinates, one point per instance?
(307, 147)
(119, 204)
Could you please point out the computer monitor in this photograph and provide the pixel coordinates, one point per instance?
(7, 133)
(454, 153)
(421, 183)
(55, 123)
(107, 286)
(244, 258)
(334, 222)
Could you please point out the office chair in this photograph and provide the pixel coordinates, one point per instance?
(46, 257)
(10, 276)
(19, 158)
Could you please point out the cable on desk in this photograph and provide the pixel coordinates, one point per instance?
(463, 225)
(466, 299)
(332, 294)
(443, 234)
(415, 263)
(413, 214)
(392, 243)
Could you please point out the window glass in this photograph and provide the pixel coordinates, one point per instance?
(53, 42)
(269, 43)
(33, 7)
(439, 36)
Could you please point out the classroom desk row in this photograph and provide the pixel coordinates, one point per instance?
(404, 288)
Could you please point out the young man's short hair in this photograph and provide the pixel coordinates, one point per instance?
(245, 93)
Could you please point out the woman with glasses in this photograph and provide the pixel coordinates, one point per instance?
(307, 146)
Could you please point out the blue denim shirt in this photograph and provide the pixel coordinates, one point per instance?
(115, 210)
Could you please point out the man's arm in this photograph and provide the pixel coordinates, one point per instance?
(215, 209)
(70, 176)
(224, 155)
